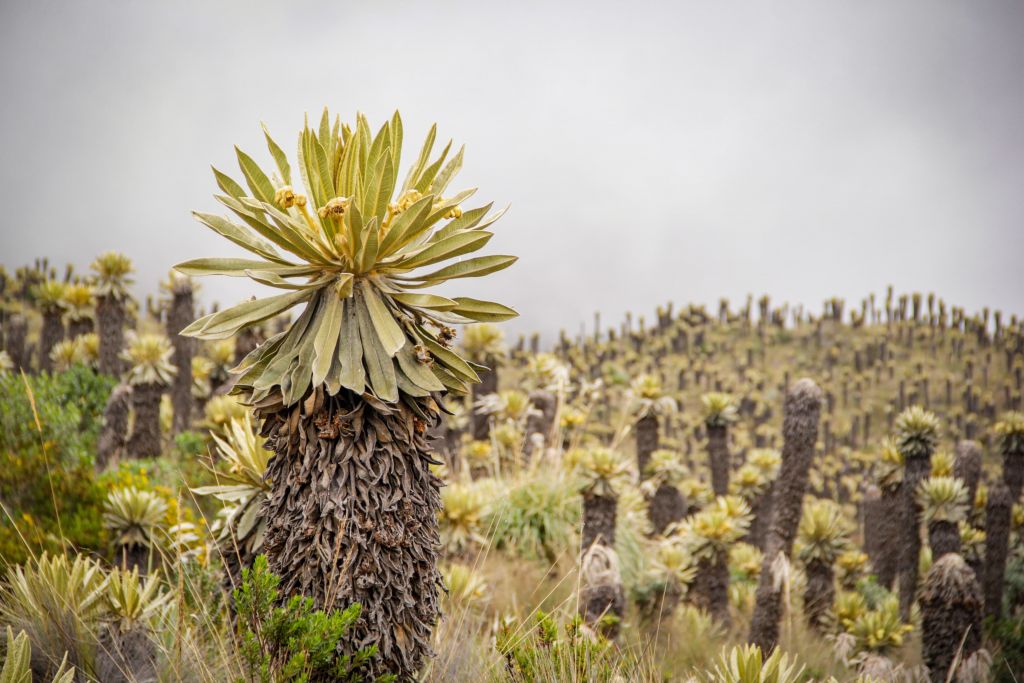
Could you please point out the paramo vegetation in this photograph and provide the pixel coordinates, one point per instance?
(360, 479)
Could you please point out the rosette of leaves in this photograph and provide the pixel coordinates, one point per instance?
(749, 482)
(66, 354)
(243, 487)
(747, 664)
(917, 433)
(766, 460)
(942, 464)
(78, 300)
(59, 601)
(890, 465)
(6, 364)
(202, 370)
(112, 270)
(714, 529)
(464, 509)
(666, 468)
(649, 398)
(823, 532)
(149, 358)
(132, 600)
(852, 565)
(602, 471)
(467, 588)
(880, 630)
(357, 250)
(942, 499)
(719, 409)
(18, 662)
(484, 343)
(135, 517)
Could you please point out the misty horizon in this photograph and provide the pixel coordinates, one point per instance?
(680, 153)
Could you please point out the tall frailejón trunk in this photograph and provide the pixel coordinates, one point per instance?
(51, 334)
(179, 316)
(352, 517)
(761, 517)
(819, 594)
(114, 434)
(79, 326)
(997, 541)
(481, 422)
(602, 598)
(599, 515)
(110, 321)
(540, 423)
(916, 469)
(951, 616)
(718, 458)
(646, 441)
(967, 467)
(943, 538)
(890, 532)
(711, 586)
(16, 333)
(144, 441)
(666, 507)
(800, 433)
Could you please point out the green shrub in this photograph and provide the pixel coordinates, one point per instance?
(294, 643)
(69, 406)
(540, 653)
(47, 483)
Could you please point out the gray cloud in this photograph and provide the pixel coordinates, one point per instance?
(651, 151)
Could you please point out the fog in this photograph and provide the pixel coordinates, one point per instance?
(650, 151)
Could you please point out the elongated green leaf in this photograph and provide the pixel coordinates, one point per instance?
(326, 342)
(473, 267)
(279, 157)
(428, 301)
(421, 163)
(350, 350)
(440, 183)
(456, 245)
(451, 360)
(466, 221)
(239, 235)
(379, 366)
(251, 211)
(483, 311)
(236, 267)
(388, 330)
(396, 144)
(228, 185)
(272, 279)
(430, 172)
(418, 373)
(407, 223)
(257, 180)
(223, 324)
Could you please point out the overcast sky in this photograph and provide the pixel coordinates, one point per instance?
(651, 151)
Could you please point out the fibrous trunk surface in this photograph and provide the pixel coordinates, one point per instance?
(667, 506)
(819, 594)
(178, 318)
(800, 433)
(646, 441)
(598, 521)
(144, 441)
(915, 471)
(352, 517)
(718, 456)
(110, 321)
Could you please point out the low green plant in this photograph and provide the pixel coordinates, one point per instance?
(293, 643)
